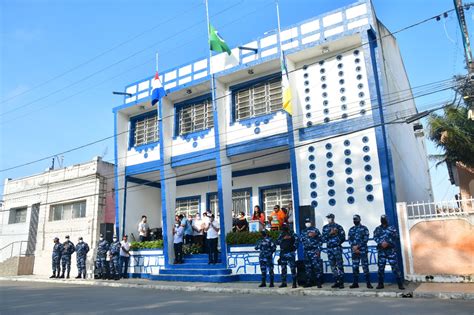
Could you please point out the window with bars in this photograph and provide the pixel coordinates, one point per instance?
(213, 203)
(67, 211)
(195, 117)
(241, 201)
(187, 206)
(276, 196)
(17, 215)
(145, 129)
(258, 99)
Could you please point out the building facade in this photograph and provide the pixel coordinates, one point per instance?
(342, 150)
(73, 201)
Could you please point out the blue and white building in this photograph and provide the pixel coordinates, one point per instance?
(340, 152)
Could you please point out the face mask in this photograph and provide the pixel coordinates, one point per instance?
(356, 222)
(80, 241)
(101, 238)
(330, 221)
(307, 224)
(115, 240)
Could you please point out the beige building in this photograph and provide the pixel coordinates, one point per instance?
(75, 201)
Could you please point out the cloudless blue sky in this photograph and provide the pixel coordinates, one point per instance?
(42, 39)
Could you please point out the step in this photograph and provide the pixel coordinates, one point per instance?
(193, 271)
(197, 260)
(195, 278)
(198, 266)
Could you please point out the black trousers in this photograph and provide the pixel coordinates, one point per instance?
(188, 239)
(212, 249)
(178, 252)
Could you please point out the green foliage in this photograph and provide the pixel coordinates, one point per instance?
(147, 245)
(454, 132)
(191, 249)
(247, 238)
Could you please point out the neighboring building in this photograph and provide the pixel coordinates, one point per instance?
(334, 154)
(463, 177)
(73, 201)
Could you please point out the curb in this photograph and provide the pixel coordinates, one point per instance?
(443, 295)
(186, 288)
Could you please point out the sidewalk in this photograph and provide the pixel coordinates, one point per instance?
(425, 290)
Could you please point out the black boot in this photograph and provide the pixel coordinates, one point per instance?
(335, 285)
(294, 286)
(400, 284)
(84, 275)
(67, 276)
(307, 284)
(271, 282)
(341, 284)
(78, 276)
(319, 280)
(283, 284)
(53, 276)
(62, 275)
(354, 285)
(117, 277)
(380, 285)
(263, 283)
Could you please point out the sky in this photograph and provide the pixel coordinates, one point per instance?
(61, 60)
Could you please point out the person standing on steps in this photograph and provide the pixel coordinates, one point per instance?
(212, 230)
(312, 242)
(288, 242)
(334, 236)
(178, 232)
(81, 256)
(56, 258)
(68, 250)
(386, 237)
(358, 238)
(267, 247)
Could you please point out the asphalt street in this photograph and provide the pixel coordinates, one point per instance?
(50, 298)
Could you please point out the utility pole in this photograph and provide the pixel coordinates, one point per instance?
(469, 89)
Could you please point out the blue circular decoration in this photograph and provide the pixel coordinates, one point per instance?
(331, 192)
(326, 120)
(365, 139)
(368, 177)
(305, 67)
(348, 171)
(308, 115)
(323, 78)
(325, 103)
(329, 155)
(350, 199)
(202, 136)
(359, 77)
(370, 198)
(357, 60)
(306, 91)
(366, 158)
(321, 62)
(341, 81)
(195, 144)
(314, 203)
(256, 130)
(248, 125)
(367, 168)
(347, 152)
(313, 185)
(325, 94)
(366, 148)
(344, 116)
(188, 139)
(306, 82)
(145, 155)
(322, 71)
(343, 99)
(332, 202)
(347, 143)
(343, 106)
(326, 111)
(195, 138)
(312, 167)
(310, 148)
(369, 188)
(331, 183)
(305, 75)
(342, 90)
(324, 85)
(308, 107)
(361, 94)
(329, 164)
(338, 57)
(257, 123)
(340, 65)
(307, 98)
(312, 176)
(358, 68)
(314, 194)
(362, 103)
(348, 161)
(328, 146)
(362, 112)
(309, 124)
(350, 190)
(311, 158)
(341, 73)
(265, 121)
(360, 86)
(356, 52)
(349, 180)
(330, 173)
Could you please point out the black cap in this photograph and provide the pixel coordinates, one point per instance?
(307, 220)
(80, 237)
(330, 216)
(356, 217)
(56, 238)
(67, 236)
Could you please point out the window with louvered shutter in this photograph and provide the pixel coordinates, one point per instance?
(259, 99)
(187, 206)
(146, 130)
(276, 196)
(196, 117)
(241, 202)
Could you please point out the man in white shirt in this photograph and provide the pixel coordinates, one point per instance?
(178, 232)
(143, 229)
(212, 236)
(124, 256)
(198, 231)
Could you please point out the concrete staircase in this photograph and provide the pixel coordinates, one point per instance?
(196, 269)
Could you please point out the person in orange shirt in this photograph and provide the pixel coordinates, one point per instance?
(279, 215)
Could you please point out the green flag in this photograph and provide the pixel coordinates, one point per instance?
(216, 42)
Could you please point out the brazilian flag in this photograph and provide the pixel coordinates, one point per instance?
(216, 42)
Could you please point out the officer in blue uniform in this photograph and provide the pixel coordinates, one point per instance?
(101, 258)
(288, 242)
(56, 258)
(358, 238)
(68, 250)
(334, 236)
(386, 237)
(312, 242)
(114, 264)
(267, 247)
(82, 248)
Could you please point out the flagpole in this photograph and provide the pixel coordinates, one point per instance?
(279, 27)
(156, 61)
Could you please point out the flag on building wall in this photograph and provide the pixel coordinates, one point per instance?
(157, 90)
(216, 42)
(285, 84)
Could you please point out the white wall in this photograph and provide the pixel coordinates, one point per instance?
(142, 200)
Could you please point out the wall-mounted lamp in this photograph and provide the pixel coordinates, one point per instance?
(255, 50)
(250, 71)
(122, 93)
(188, 91)
(325, 50)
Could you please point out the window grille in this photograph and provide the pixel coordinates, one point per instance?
(17, 215)
(196, 117)
(241, 202)
(187, 206)
(259, 99)
(146, 130)
(67, 211)
(276, 196)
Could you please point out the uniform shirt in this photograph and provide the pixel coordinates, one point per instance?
(211, 233)
(178, 234)
(359, 236)
(124, 245)
(115, 248)
(266, 246)
(68, 248)
(82, 249)
(57, 249)
(333, 240)
(311, 243)
(287, 245)
(386, 234)
(102, 248)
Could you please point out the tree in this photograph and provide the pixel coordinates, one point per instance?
(454, 132)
